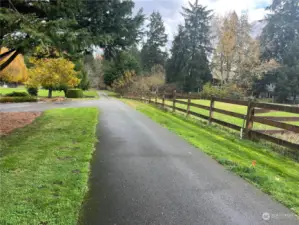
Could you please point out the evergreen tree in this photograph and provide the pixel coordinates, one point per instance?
(136, 53)
(25, 25)
(69, 26)
(287, 83)
(111, 25)
(152, 52)
(176, 64)
(280, 40)
(114, 69)
(281, 30)
(197, 45)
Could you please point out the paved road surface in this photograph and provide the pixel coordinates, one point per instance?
(142, 174)
(41, 106)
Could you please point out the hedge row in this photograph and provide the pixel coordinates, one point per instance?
(17, 94)
(18, 99)
(74, 93)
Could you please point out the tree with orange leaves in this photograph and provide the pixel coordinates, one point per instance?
(16, 71)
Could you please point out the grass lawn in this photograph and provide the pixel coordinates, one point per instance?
(44, 93)
(274, 174)
(233, 108)
(44, 168)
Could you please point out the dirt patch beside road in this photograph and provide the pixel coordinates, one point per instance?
(12, 120)
(55, 99)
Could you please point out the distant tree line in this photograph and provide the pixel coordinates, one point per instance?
(207, 50)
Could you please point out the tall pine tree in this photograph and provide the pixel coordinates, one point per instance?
(280, 39)
(152, 52)
(177, 63)
(196, 40)
(111, 24)
(281, 30)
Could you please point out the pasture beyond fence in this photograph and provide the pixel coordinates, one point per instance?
(273, 118)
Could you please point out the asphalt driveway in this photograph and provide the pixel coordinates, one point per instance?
(144, 174)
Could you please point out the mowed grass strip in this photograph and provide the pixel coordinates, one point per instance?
(273, 173)
(44, 93)
(45, 167)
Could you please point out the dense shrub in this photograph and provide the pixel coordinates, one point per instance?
(17, 94)
(18, 99)
(32, 91)
(74, 93)
(123, 83)
(224, 91)
(140, 85)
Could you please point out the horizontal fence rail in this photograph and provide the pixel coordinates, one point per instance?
(231, 101)
(276, 107)
(281, 118)
(229, 113)
(199, 106)
(253, 115)
(181, 102)
(273, 123)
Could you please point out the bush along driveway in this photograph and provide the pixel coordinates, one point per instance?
(45, 167)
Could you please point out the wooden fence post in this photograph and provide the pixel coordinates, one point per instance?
(156, 97)
(249, 119)
(212, 104)
(174, 99)
(163, 100)
(188, 105)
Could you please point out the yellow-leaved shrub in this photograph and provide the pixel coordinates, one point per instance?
(121, 84)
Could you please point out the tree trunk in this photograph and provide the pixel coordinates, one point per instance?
(221, 69)
(227, 71)
(50, 93)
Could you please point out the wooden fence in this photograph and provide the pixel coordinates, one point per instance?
(253, 109)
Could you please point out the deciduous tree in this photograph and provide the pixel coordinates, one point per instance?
(52, 73)
(16, 71)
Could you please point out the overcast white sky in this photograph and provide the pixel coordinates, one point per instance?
(170, 9)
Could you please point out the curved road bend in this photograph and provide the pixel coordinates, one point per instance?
(142, 174)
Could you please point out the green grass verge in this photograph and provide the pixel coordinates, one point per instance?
(44, 168)
(44, 93)
(274, 174)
